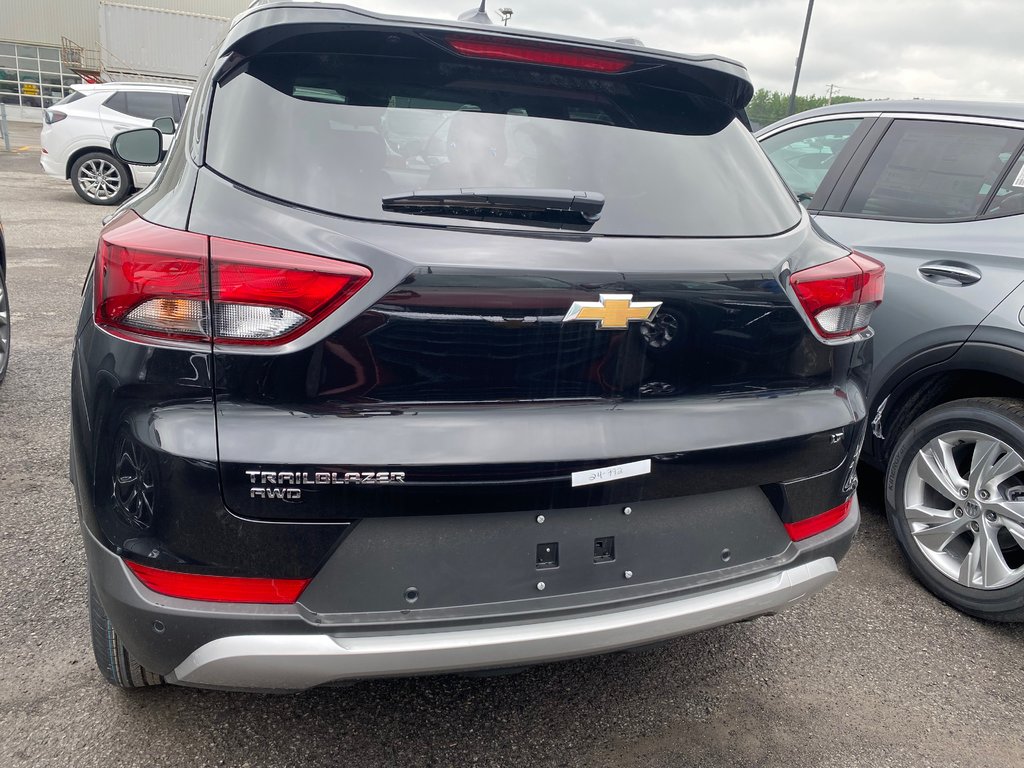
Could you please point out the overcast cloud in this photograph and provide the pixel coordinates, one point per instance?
(970, 49)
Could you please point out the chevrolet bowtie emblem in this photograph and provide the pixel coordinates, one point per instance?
(613, 312)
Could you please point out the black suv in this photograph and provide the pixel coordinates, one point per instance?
(440, 347)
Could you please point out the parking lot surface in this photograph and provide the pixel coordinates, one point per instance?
(872, 672)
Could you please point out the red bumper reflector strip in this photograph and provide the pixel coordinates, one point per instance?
(804, 529)
(219, 589)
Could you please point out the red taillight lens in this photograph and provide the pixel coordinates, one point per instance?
(267, 296)
(840, 296)
(804, 529)
(51, 116)
(551, 55)
(152, 280)
(156, 282)
(219, 589)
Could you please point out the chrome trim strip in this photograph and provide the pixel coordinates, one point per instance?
(294, 662)
(937, 117)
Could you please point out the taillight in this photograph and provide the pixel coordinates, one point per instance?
(51, 116)
(266, 296)
(839, 296)
(219, 589)
(812, 526)
(163, 283)
(153, 281)
(551, 55)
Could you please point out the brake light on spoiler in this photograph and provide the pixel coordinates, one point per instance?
(162, 283)
(538, 53)
(840, 296)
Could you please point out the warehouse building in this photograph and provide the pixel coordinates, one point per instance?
(46, 46)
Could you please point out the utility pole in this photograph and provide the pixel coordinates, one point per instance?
(800, 57)
(833, 90)
(506, 14)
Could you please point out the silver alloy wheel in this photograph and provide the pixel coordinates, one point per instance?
(99, 179)
(5, 328)
(963, 499)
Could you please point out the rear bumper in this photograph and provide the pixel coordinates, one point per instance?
(52, 166)
(263, 647)
(267, 662)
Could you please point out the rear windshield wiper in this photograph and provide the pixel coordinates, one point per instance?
(543, 207)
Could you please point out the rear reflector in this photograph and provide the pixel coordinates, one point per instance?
(163, 283)
(841, 295)
(219, 589)
(550, 55)
(804, 529)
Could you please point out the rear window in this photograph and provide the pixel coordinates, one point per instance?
(335, 124)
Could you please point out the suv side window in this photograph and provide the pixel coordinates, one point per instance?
(803, 155)
(143, 104)
(1009, 198)
(938, 171)
(181, 101)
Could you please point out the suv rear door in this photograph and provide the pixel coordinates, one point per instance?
(915, 197)
(459, 365)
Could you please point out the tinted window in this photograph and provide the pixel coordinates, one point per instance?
(72, 97)
(142, 104)
(1009, 198)
(803, 155)
(337, 131)
(117, 102)
(932, 170)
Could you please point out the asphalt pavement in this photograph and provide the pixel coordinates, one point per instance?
(872, 672)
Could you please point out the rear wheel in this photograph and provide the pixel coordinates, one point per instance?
(5, 327)
(116, 662)
(955, 501)
(101, 179)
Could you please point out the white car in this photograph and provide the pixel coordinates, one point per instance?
(75, 141)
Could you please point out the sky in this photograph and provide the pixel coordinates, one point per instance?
(962, 49)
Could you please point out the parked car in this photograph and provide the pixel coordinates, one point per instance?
(75, 140)
(5, 309)
(935, 191)
(343, 411)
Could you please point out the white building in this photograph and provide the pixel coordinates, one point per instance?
(48, 45)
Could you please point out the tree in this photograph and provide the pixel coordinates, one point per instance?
(768, 106)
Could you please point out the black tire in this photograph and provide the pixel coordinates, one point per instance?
(113, 179)
(999, 418)
(5, 327)
(116, 663)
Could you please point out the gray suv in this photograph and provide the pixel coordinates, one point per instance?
(935, 191)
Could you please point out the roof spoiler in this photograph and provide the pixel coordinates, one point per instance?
(719, 78)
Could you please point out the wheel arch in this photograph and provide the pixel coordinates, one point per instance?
(977, 369)
(83, 151)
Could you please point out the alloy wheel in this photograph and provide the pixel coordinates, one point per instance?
(964, 503)
(99, 179)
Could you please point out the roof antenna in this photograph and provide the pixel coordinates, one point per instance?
(477, 16)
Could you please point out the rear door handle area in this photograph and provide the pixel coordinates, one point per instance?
(949, 273)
